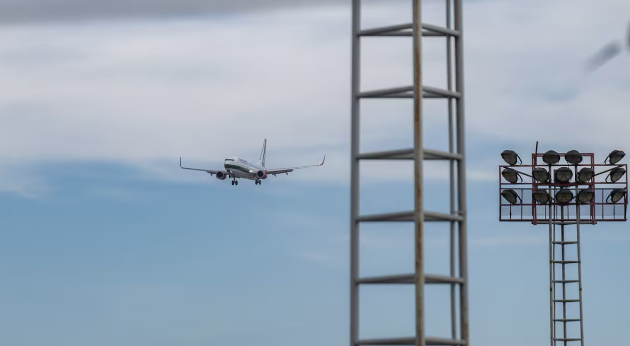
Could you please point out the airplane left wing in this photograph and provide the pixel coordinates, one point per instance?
(275, 171)
(212, 172)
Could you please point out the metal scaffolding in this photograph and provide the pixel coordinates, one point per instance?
(454, 95)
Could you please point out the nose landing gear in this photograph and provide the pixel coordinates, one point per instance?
(258, 182)
(234, 182)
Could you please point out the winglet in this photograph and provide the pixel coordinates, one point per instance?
(321, 164)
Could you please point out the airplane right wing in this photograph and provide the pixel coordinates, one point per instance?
(210, 171)
(290, 169)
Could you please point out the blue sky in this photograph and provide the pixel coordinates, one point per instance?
(106, 241)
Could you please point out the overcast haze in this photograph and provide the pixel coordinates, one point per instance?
(19, 11)
(106, 241)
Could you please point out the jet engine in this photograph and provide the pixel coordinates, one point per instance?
(261, 174)
(221, 175)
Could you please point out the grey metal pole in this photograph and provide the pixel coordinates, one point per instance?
(579, 258)
(449, 83)
(418, 181)
(354, 174)
(551, 271)
(461, 171)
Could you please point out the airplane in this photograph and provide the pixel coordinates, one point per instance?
(236, 167)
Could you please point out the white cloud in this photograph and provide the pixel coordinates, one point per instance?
(145, 93)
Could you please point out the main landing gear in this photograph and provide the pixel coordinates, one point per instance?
(234, 182)
(258, 182)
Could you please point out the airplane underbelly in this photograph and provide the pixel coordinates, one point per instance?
(243, 175)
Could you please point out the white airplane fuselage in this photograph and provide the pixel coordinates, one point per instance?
(244, 169)
(237, 168)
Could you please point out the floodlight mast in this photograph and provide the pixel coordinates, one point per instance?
(564, 193)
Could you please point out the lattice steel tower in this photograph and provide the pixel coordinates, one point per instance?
(564, 196)
(452, 34)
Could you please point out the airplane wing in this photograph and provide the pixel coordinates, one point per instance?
(275, 171)
(212, 172)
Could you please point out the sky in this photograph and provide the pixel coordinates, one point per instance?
(105, 240)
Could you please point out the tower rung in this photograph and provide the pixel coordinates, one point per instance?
(398, 30)
(406, 90)
(573, 339)
(566, 261)
(407, 154)
(566, 300)
(410, 279)
(429, 341)
(565, 242)
(565, 281)
(567, 320)
(408, 216)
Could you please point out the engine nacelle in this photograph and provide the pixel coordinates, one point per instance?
(261, 174)
(221, 175)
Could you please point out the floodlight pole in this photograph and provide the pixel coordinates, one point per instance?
(563, 218)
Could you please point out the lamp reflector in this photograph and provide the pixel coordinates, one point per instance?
(573, 156)
(615, 156)
(563, 175)
(616, 174)
(541, 196)
(616, 195)
(510, 156)
(510, 175)
(564, 196)
(585, 196)
(510, 195)
(585, 174)
(540, 175)
(551, 157)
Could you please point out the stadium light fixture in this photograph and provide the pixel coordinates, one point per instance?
(586, 196)
(511, 196)
(615, 156)
(541, 196)
(541, 175)
(616, 195)
(585, 174)
(511, 175)
(573, 156)
(564, 196)
(563, 175)
(510, 157)
(551, 157)
(616, 174)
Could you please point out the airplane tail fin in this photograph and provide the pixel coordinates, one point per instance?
(263, 153)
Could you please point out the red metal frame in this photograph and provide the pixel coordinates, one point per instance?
(597, 186)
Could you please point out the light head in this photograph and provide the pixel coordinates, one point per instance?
(510, 157)
(564, 196)
(615, 156)
(586, 196)
(573, 156)
(541, 196)
(585, 174)
(510, 195)
(616, 195)
(551, 157)
(563, 175)
(540, 175)
(511, 175)
(616, 174)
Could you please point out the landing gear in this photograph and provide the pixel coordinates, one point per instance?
(234, 182)
(258, 182)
